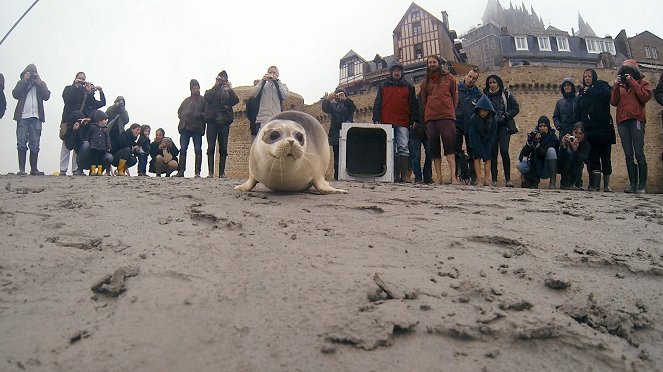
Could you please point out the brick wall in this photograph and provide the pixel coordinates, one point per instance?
(535, 88)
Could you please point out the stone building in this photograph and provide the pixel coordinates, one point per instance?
(416, 36)
(516, 36)
(645, 47)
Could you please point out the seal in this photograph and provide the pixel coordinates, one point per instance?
(290, 153)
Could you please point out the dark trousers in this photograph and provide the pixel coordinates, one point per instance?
(570, 168)
(124, 154)
(220, 132)
(100, 157)
(142, 163)
(415, 159)
(599, 157)
(501, 143)
(335, 148)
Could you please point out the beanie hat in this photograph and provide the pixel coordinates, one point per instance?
(544, 119)
(193, 83)
(99, 116)
(223, 74)
(631, 62)
(396, 66)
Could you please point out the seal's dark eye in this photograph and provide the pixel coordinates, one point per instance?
(299, 137)
(274, 136)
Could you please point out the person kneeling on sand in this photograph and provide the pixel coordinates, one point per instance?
(482, 132)
(164, 154)
(124, 156)
(541, 151)
(573, 154)
(100, 145)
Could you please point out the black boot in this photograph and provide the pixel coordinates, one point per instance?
(553, 173)
(210, 166)
(22, 154)
(606, 183)
(222, 167)
(632, 170)
(642, 170)
(397, 169)
(595, 183)
(181, 168)
(199, 163)
(405, 165)
(34, 157)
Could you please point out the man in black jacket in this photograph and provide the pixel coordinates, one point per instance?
(3, 99)
(31, 92)
(219, 115)
(541, 150)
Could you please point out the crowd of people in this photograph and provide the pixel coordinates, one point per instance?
(440, 118)
(445, 114)
(98, 140)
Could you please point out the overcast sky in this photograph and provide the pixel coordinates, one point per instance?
(148, 50)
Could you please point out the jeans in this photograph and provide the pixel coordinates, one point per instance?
(502, 140)
(28, 132)
(415, 159)
(220, 132)
(401, 137)
(185, 136)
(142, 163)
(64, 159)
(632, 135)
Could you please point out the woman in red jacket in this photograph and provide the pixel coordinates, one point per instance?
(629, 94)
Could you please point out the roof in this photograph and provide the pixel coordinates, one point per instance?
(352, 53)
(576, 44)
(555, 31)
(413, 6)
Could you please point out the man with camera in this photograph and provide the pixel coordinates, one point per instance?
(31, 92)
(396, 104)
(191, 127)
(541, 153)
(341, 109)
(80, 95)
(630, 93)
(574, 151)
(219, 115)
(3, 99)
(270, 93)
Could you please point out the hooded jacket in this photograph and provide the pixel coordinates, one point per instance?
(22, 89)
(505, 104)
(593, 109)
(439, 96)
(537, 154)
(220, 102)
(3, 99)
(630, 100)
(115, 111)
(482, 131)
(564, 115)
(467, 98)
(396, 103)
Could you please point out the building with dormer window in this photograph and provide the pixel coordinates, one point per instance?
(645, 47)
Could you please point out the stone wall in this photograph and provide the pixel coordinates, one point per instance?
(535, 88)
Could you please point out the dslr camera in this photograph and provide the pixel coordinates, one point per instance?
(531, 135)
(572, 138)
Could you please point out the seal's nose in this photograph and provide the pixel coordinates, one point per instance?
(291, 141)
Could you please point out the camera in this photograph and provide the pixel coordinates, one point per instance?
(572, 138)
(271, 76)
(532, 134)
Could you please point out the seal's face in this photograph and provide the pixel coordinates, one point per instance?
(284, 140)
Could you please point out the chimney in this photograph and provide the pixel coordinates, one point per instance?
(573, 33)
(445, 19)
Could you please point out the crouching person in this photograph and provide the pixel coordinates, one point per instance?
(573, 154)
(100, 145)
(164, 154)
(541, 153)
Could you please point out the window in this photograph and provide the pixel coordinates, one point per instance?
(651, 53)
(563, 44)
(419, 51)
(544, 43)
(592, 47)
(610, 47)
(521, 43)
(416, 28)
(415, 14)
(351, 69)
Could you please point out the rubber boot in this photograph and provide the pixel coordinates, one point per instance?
(22, 154)
(596, 181)
(553, 174)
(397, 169)
(93, 170)
(606, 183)
(121, 167)
(632, 170)
(34, 157)
(642, 185)
(222, 166)
(198, 164)
(405, 165)
(210, 166)
(181, 168)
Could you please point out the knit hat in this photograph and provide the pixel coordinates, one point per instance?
(396, 66)
(544, 119)
(631, 62)
(193, 83)
(223, 74)
(99, 116)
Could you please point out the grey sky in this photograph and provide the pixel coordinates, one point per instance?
(148, 50)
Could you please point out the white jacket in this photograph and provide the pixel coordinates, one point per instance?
(269, 101)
